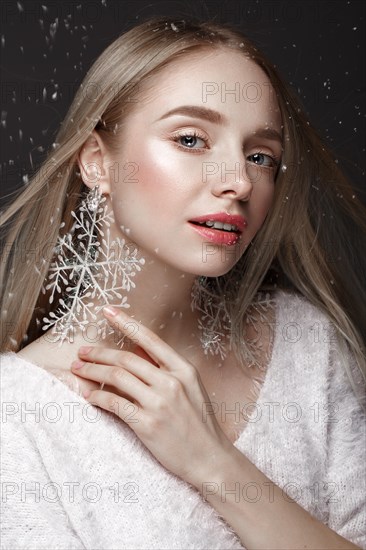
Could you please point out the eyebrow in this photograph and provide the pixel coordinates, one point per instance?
(217, 118)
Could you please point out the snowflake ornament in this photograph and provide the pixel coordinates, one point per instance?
(214, 321)
(262, 305)
(88, 272)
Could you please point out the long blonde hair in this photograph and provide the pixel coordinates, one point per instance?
(315, 208)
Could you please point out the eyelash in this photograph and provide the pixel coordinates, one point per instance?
(275, 160)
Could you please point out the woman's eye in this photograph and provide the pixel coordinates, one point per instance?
(190, 141)
(261, 158)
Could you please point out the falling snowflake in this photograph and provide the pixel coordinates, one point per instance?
(89, 272)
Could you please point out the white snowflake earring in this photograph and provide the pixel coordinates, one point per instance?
(89, 272)
(214, 323)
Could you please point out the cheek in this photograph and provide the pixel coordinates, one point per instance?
(261, 199)
(156, 180)
(167, 170)
(161, 174)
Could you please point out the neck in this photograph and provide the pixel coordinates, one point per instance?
(161, 301)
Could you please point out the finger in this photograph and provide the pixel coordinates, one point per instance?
(117, 377)
(164, 355)
(123, 408)
(130, 361)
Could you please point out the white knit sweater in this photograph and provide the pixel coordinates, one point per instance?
(75, 476)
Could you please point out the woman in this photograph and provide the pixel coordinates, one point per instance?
(219, 403)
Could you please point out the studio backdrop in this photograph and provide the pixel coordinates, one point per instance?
(48, 46)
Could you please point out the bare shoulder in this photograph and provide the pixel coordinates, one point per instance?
(41, 354)
(38, 353)
(57, 362)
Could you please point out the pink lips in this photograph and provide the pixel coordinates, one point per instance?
(217, 236)
(222, 217)
(220, 236)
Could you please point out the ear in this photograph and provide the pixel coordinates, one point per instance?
(93, 162)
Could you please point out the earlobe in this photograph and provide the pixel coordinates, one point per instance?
(92, 175)
(90, 172)
(91, 165)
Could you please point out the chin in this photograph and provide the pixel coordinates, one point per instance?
(213, 270)
(215, 273)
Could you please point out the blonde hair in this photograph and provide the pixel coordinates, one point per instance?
(314, 206)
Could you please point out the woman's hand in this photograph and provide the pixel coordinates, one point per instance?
(161, 397)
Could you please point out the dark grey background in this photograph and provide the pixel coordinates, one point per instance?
(47, 47)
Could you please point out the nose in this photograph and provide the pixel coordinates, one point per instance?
(231, 180)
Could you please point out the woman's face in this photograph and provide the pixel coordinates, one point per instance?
(201, 142)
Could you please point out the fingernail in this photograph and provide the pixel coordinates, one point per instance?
(110, 311)
(77, 364)
(86, 393)
(84, 350)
